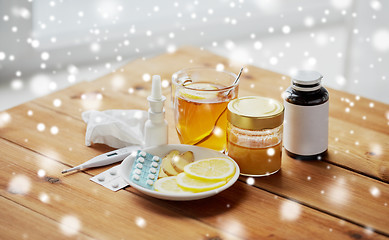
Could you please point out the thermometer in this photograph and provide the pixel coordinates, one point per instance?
(106, 158)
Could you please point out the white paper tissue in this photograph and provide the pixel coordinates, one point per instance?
(115, 128)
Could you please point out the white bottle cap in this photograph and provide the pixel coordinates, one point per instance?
(306, 80)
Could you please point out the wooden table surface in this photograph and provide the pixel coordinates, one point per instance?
(343, 197)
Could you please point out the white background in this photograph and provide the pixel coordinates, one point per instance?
(48, 45)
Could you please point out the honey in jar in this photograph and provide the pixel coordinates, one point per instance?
(254, 134)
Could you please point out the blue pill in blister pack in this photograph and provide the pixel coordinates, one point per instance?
(145, 169)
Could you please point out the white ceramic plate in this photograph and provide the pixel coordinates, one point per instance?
(161, 151)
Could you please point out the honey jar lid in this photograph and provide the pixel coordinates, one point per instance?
(255, 113)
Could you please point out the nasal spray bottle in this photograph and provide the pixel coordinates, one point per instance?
(156, 126)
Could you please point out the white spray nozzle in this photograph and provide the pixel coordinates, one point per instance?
(156, 125)
(156, 92)
(156, 99)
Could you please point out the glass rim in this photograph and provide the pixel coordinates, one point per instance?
(231, 86)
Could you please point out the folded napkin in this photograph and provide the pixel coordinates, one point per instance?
(115, 128)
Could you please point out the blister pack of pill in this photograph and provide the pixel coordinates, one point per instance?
(145, 169)
(110, 179)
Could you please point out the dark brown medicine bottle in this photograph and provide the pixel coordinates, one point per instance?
(306, 105)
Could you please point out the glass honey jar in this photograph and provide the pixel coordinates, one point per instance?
(254, 134)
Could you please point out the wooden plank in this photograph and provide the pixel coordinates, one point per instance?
(18, 222)
(240, 212)
(252, 214)
(331, 189)
(366, 120)
(350, 145)
(71, 132)
(358, 148)
(261, 82)
(90, 96)
(265, 83)
(92, 209)
(63, 146)
(66, 146)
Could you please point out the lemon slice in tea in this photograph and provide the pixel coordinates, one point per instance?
(211, 169)
(190, 91)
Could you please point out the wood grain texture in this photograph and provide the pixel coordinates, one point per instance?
(67, 147)
(365, 151)
(18, 222)
(95, 211)
(332, 189)
(242, 212)
(358, 143)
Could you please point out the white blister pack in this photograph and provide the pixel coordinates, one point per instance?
(110, 179)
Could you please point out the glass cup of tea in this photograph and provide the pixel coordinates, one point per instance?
(200, 97)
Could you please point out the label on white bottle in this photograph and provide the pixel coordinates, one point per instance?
(306, 128)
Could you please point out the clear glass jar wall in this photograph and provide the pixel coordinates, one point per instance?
(257, 152)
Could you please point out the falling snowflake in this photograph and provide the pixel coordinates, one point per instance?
(341, 4)
(273, 61)
(40, 84)
(44, 198)
(270, 152)
(171, 48)
(41, 127)
(70, 225)
(19, 184)
(338, 193)
(54, 130)
(290, 211)
(258, 45)
(140, 222)
(57, 102)
(239, 57)
(286, 29)
(91, 100)
(233, 226)
(146, 77)
(118, 82)
(17, 84)
(340, 80)
(165, 83)
(45, 56)
(269, 6)
(380, 40)
(2, 56)
(95, 47)
(219, 67)
(376, 5)
(41, 173)
(375, 192)
(250, 181)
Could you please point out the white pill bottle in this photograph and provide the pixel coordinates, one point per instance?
(306, 104)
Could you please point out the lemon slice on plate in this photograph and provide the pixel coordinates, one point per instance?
(197, 185)
(190, 92)
(168, 185)
(211, 169)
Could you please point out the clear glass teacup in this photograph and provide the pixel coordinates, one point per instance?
(200, 97)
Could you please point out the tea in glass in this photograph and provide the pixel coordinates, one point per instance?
(200, 98)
